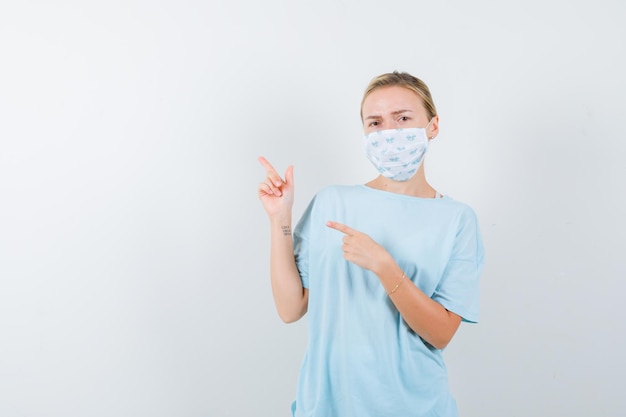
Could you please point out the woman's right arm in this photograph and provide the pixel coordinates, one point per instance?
(276, 195)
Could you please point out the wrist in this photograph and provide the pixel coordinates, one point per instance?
(281, 225)
(280, 220)
(400, 282)
(384, 265)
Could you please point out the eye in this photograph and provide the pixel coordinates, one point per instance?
(404, 118)
(374, 123)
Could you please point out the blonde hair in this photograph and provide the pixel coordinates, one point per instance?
(406, 80)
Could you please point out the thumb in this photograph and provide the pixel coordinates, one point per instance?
(289, 175)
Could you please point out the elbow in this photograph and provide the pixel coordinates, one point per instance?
(440, 344)
(289, 317)
(293, 311)
(438, 339)
(442, 340)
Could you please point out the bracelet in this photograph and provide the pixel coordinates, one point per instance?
(398, 284)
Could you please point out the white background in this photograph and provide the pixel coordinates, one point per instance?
(134, 251)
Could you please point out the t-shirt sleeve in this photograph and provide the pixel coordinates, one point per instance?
(458, 290)
(301, 236)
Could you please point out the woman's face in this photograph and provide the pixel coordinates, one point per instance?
(395, 107)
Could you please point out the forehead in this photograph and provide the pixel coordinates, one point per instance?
(388, 99)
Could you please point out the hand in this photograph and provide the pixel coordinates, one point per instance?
(276, 194)
(360, 249)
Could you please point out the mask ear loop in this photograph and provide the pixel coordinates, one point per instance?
(426, 128)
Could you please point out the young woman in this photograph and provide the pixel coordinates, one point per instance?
(386, 270)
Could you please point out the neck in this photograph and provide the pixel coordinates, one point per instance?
(416, 186)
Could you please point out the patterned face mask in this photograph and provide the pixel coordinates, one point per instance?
(397, 153)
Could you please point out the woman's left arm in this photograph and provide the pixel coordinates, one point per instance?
(425, 316)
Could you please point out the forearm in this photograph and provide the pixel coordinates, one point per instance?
(424, 316)
(290, 297)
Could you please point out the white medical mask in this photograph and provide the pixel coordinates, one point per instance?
(397, 153)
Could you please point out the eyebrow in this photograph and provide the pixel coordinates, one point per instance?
(394, 113)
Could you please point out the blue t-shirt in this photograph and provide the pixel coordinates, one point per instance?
(362, 359)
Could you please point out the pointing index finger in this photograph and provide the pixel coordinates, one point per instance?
(270, 171)
(341, 228)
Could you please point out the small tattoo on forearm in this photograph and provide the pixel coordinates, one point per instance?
(286, 230)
